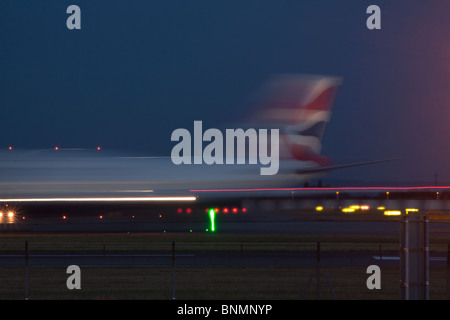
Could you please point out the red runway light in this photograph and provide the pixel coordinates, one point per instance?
(101, 217)
(188, 210)
(225, 210)
(56, 148)
(180, 210)
(216, 210)
(9, 148)
(235, 210)
(64, 217)
(244, 209)
(98, 148)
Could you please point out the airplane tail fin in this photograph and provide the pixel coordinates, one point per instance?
(301, 106)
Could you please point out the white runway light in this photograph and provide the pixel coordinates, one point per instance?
(100, 199)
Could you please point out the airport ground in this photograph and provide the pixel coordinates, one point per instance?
(272, 268)
(273, 257)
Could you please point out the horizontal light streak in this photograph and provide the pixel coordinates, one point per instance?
(392, 213)
(116, 199)
(131, 191)
(322, 189)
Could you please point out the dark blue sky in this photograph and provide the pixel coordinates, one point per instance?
(137, 70)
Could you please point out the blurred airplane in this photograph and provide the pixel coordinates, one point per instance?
(299, 106)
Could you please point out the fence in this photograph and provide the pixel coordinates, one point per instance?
(277, 268)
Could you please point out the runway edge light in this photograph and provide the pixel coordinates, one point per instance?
(212, 214)
(392, 213)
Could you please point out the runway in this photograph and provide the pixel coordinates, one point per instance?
(303, 259)
(199, 259)
(243, 226)
(277, 225)
(267, 224)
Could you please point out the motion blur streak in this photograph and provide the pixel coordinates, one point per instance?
(323, 189)
(299, 106)
(99, 199)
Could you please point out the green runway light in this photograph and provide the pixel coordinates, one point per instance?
(212, 215)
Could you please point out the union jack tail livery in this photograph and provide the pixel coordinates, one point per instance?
(301, 106)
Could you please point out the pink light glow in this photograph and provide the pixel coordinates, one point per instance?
(321, 189)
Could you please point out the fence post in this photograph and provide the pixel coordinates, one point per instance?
(404, 257)
(173, 270)
(26, 270)
(426, 256)
(318, 270)
(448, 271)
(414, 258)
(381, 257)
